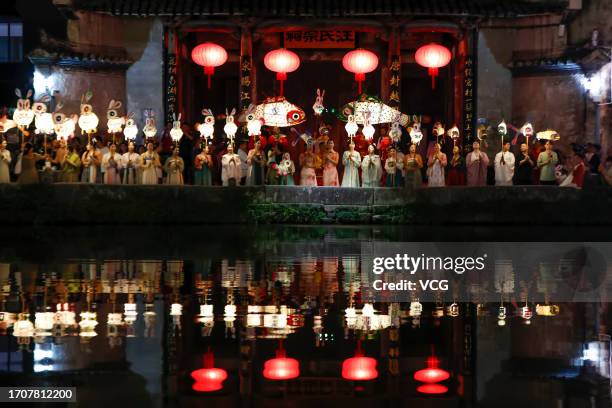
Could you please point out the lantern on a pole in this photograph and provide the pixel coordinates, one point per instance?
(282, 61)
(433, 56)
(360, 62)
(209, 55)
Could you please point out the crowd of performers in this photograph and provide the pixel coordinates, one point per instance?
(279, 159)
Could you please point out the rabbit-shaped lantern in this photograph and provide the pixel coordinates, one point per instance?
(230, 127)
(415, 133)
(23, 115)
(131, 128)
(254, 122)
(176, 132)
(43, 120)
(368, 129)
(114, 122)
(351, 126)
(64, 126)
(207, 129)
(150, 128)
(318, 106)
(88, 121)
(396, 131)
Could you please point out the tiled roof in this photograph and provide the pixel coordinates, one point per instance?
(60, 55)
(575, 58)
(322, 8)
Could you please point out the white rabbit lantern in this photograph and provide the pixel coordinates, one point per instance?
(88, 121)
(395, 132)
(207, 129)
(23, 115)
(230, 127)
(415, 133)
(150, 128)
(351, 126)
(318, 106)
(64, 126)
(368, 129)
(254, 121)
(43, 120)
(131, 129)
(114, 122)
(176, 132)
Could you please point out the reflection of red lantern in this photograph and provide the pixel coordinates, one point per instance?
(209, 55)
(209, 378)
(282, 61)
(432, 389)
(433, 56)
(431, 376)
(359, 368)
(360, 62)
(281, 367)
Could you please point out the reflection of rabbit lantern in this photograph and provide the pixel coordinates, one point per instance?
(368, 130)
(149, 129)
(131, 129)
(351, 126)
(395, 132)
(207, 129)
(254, 122)
(230, 127)
(23, 114)
(43, 120)
(415, 133)
(88, 121)
(318, 107)
(176, 132)
(64, 126)
(114, 121)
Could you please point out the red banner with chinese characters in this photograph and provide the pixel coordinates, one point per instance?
(319, 39)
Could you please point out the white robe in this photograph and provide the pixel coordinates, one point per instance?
(244, 167)
(351, 162)
(371, 171)
(230, 168)
(111, 174)
(5, 160)
(130, 163)
(504, 172)
(149, 170)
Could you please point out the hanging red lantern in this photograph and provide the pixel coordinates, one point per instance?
(432, 374)
(281, 61)
(209, 378)
(433, 56)
(359, 368)
(209, 55)
(360, 62)
(281, 367)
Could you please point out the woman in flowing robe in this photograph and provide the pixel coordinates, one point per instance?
(351, 159)
(308, 161)
(456, 168)
(371, 169)
(435, 167)
(91, 164)
(111, 165)
(413, 163)
(130, 162)
(71, 166)
(174, 167)
(230, 168)
(330, 170)
(477, 163)
(203, 168)
(5, 161)
(149, 162)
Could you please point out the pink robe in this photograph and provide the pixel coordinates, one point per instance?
(330, 173)
(476, 169)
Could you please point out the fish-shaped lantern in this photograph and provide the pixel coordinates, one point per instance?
(379, 112)
(279, 112)
(548, 134)
(43, 120)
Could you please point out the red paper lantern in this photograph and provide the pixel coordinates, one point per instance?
(360, 62)
(209, 55)
(432, 389)
(431, 374)
(281, 367)
(359, 368)
(433, 56)
(282, 61)
(209, 378)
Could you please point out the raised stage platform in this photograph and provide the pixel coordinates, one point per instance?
(108, 204)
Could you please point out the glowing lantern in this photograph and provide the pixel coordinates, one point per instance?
(281, 367)
(431, 374)
(359, 368)
(433, 56)
(281, 61)
(432, 389)
(209, 378)
(209, 55)
(360, 62)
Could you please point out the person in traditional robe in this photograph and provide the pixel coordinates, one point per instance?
(5, 161)
(371, 169)
(274, 157)
(523, 174)
(174, 167)
(91, 161)
(71, 165)
(504, 166)
(578, 169)
(456, 168)
(149, 162)
(286, 170)
(308, 161)
(435, 167)
(413, 163)
(203, 168)
(60, 152)
(257, 163)
(244, 167)
(401, 173)
(351, 159)
(393, 169)
(130, 162)
(29, 172)
(111, 166)
(230, 167)
(477, 163)
(547, 160)
(330, 170)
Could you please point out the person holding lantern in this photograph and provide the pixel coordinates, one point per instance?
(504, 165)
(111, 165)
(149, 162)
(413, 163)
(477, 163)
(371, 170)
(203, 167)
(130, 162)
(351, 159)
(330, 172)
(174, 167)
(435, 167)
(286, 170)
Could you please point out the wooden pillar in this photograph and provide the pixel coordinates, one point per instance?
(247, 78)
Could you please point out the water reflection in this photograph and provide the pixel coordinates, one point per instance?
(249, 307)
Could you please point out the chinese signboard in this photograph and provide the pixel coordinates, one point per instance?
(171, 88)
(319, 39)
(468, 99)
